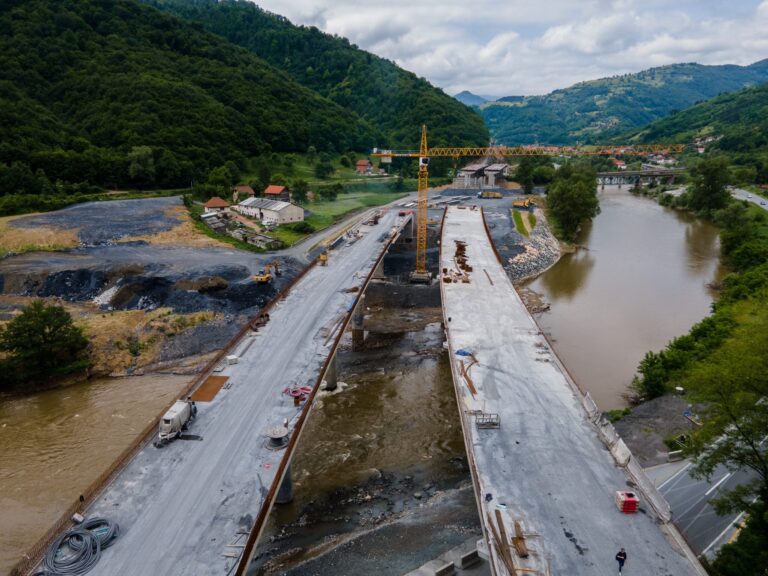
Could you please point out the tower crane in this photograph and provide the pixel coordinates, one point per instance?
(420, 274)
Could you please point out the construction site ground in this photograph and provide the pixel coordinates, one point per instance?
(544, 466)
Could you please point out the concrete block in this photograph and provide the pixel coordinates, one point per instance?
(445, 570)
(675, 456)
(620, 452)
(469, 559)
(232, 359)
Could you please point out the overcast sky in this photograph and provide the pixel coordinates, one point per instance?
(512, 47)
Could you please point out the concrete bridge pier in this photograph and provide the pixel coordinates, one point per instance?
(378, 273)
(285, 492)
(332, 373)
(358, 328)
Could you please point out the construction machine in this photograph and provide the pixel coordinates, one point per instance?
(323, 258)
(265, 274)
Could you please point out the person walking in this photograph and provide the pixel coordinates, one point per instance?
(621, 557)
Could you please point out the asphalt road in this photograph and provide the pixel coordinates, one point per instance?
(756, 199)
(545, 466)
(180, 508)
(692, 511)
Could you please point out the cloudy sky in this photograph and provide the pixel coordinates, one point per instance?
(506, 47)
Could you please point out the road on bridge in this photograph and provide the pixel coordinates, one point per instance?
(545, 465)
(184, 509)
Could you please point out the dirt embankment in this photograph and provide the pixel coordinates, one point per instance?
(647, 425)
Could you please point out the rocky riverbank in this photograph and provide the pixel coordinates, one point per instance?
(523, 256)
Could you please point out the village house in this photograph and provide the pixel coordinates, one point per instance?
(241, 192)
(271, 211)
(619, 164)
(215, 205)
(363, 166)
(275, 192)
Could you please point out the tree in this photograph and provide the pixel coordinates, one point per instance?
(141, 165)
(732, 387)
(299, 191)
(708, 191)
(572, 199)
(323, 169)
(330, 193)
(221, 178)
(42, 342)
(524, 173)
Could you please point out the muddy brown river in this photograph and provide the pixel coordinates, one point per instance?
(641, 281)
(54, 443)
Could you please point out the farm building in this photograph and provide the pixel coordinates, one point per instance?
(271, 211)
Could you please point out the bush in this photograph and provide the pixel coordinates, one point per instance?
(302, 227)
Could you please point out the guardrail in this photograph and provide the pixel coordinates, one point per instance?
(35, 554)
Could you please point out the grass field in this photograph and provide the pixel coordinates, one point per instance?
(519, 224)
(324, 213)
(18, 240)
(294, 167)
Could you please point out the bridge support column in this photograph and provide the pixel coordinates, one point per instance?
(358, 329)
(285, 492)
(378, 273)
(332, 374)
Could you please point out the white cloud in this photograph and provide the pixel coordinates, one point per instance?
(521, 47)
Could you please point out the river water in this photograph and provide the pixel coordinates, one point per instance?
(55, 443)
(641, 281)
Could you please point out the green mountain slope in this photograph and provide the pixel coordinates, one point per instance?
(741, 118)
(394, 100)
(82, 82)
(593, 110)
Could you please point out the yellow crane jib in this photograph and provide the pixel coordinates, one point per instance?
(425, 153)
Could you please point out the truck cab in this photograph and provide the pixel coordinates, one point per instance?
(176, 419)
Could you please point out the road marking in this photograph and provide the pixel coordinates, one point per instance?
(675, 475)
(723, 479)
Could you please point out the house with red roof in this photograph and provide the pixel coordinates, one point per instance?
(241, 192)
(363, 166)
(276, 192)
(216, 204)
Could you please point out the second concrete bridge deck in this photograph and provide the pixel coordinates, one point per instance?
(544, 466)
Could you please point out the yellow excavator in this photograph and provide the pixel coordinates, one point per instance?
(265, 274)
(323, 258)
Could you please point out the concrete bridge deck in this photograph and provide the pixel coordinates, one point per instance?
(188, 508)
(545, 466)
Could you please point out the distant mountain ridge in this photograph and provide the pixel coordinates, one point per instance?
(395, 101)
(466, 97)
(596, 109)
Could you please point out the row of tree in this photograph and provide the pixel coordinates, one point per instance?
(722, 363)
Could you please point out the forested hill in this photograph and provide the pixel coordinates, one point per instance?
(738, 121)
(394, 100)
(85, 82)
(590, 111)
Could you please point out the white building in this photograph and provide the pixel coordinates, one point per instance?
(271, 211)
